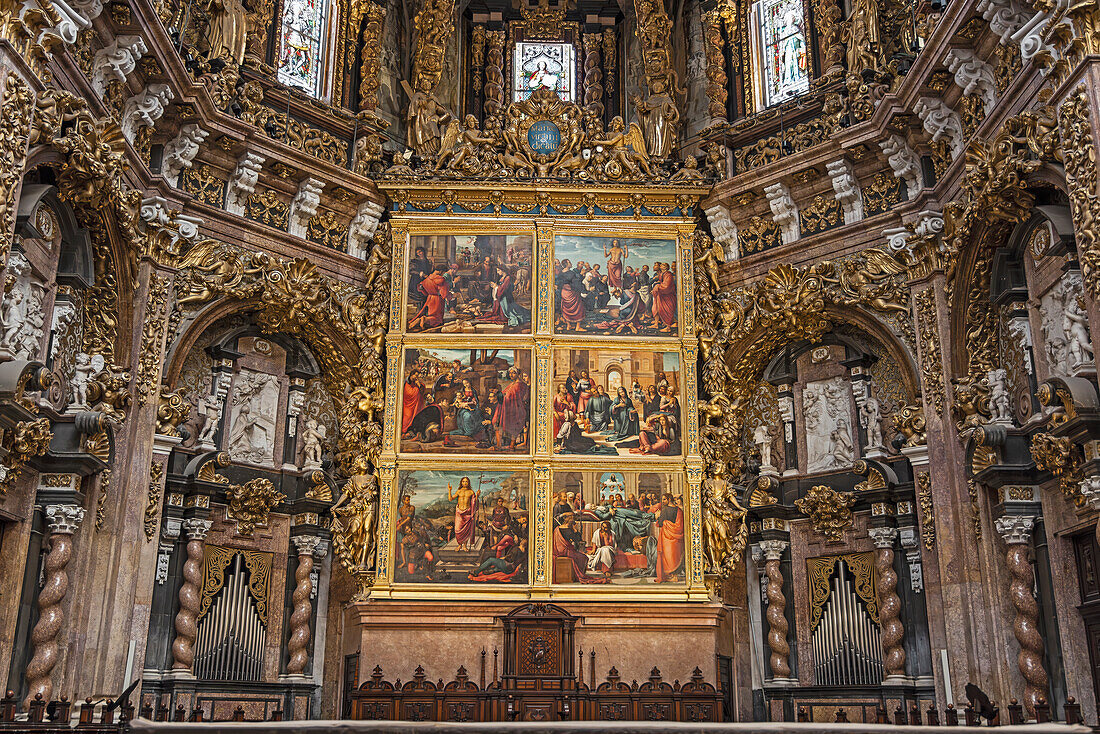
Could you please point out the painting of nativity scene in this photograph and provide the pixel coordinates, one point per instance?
(466, 401)
(462, 527)
(615, 286)
(616, 402)
(469, 284)
(617, 527)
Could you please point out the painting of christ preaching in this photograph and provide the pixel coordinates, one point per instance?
(462, 527)
(469, 284)
(613, 527)
(615, 286)
(613, 402)
(466, 401)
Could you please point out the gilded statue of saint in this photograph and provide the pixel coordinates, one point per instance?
(426, 118)
(660, 118)
(228, 28)
(863, 37)
(353, 519)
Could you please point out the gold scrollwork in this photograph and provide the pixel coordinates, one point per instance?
(830, 512)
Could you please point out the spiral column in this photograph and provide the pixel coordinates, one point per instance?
(61, 522)
(1016, 532)
(889, 604)
(297, 645)
(777, 609)
(183, 647)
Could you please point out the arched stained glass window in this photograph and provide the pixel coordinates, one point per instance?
(301, 59)
(782, 58)
(547, 65)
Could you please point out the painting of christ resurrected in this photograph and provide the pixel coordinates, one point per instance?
(612, 402)
(469, 284)
(615, 286)
(612, 527)
(462, 527)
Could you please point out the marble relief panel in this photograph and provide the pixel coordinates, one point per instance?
(254, 418)
(826, 412)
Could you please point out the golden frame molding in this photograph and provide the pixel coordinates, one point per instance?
(540, 461)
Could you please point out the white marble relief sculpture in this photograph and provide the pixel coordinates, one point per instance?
(826, 410)
(21, 317)
(254, 417)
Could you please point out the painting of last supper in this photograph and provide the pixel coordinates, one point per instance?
(621, 286)
(469, 284)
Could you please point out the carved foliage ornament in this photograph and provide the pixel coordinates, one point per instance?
(344, 328)
(830, 512)
(251, 502)
(1062, 458)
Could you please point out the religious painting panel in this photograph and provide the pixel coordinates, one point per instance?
(469, 284)
(466, 401)
(617, 402)
(466, 526)
(615, 286)
(615, 527)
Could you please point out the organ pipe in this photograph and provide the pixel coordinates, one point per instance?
(846, 645)
(231, 634)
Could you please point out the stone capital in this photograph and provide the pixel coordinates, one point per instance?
(196, 528)
(884, 537)
(1015, 529)
(1090, 490)
(307, 544)
(773, 549)
(63, 519)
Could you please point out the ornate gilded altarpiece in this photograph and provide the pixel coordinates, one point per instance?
(486, 318)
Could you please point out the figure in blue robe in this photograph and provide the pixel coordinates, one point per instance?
(624, 417)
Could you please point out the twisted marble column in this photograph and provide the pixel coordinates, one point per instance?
(1016, 531)
(777, 609)
(183, 647)
(889, 605)
(298, 644)
(61, 522)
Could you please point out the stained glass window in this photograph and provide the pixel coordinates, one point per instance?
(547, 65)
(781, 50)
(301, 49)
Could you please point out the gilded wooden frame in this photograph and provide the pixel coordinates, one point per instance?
(541, 461)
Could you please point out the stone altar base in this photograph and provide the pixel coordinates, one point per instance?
(443, 635)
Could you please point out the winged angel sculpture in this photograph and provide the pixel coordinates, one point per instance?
(586, 150)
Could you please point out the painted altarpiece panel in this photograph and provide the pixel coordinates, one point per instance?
(469, 284)
(615, 527)
(466, 401)
(615, 286)
(468, 526)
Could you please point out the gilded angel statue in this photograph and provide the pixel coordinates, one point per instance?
(724, 529)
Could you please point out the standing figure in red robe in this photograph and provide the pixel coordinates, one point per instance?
(615, 256)
(670, 538)
(413, 401)
(435, 290)
(664, 297)
(511, 418)
(465, 499)
(563, 402)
